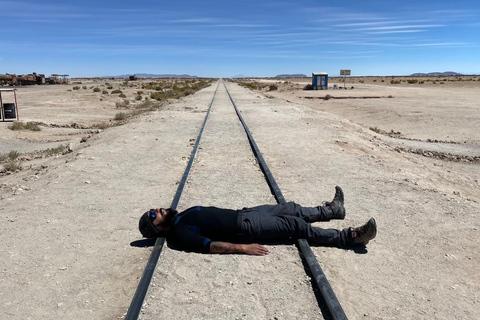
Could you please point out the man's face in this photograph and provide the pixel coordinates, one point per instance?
(164, 218)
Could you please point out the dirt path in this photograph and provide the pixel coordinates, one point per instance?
(190, 285)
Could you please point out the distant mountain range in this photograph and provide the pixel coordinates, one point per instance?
(295, 75)
(148, 75)
(446, 73)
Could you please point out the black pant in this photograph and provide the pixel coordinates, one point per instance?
(290, 220)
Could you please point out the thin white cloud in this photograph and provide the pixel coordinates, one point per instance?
(241, 25)
(129, 10)
(413, 26)
(396, 31)
(21, 9)
(376, 23)
(440, 44)
(350, 17)
(52, 16)
(330, 14)
(195, 20)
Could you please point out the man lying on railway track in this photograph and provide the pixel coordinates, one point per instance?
(216, 230)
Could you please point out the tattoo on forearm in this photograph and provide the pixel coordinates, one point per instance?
(224, 247)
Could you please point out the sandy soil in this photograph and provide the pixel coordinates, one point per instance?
(68, 222)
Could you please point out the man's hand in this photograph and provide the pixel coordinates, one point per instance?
(255, 249)
(225, 247)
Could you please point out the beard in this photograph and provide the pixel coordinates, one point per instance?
(169, 216)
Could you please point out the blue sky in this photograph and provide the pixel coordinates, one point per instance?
(227, 38)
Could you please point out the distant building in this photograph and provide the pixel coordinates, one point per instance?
(320, 80)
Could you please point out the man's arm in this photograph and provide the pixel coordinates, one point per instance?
(226, 247)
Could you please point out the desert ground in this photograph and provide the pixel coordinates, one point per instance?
(407, 154)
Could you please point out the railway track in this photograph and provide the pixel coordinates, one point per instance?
(333, 307)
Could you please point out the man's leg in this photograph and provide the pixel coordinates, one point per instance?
(330, 210)
(309, 214)
(257, 226)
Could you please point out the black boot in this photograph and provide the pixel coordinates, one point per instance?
(334, 209)
(362, 235)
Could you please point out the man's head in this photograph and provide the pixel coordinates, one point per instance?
(156, 222)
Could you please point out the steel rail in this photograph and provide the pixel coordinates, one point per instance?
(142, 288)
(323, 285)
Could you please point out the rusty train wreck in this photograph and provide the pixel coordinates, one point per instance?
(32, 79)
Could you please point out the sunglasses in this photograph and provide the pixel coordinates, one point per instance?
(152, 214)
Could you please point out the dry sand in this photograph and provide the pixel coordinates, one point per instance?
(68, 222)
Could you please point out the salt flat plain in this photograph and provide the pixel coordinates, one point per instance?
(68, 221)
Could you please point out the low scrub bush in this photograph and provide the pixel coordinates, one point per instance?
(157, 96)
(61, 149)
(187, 92)
(149, 105)
(11, 156)
(32, 126)
(253, 85)
(18, 125)
(117, 91)
(104, 92)
(120, 116)
(125, 104)
(96, 90)
(76, 88)
(12, 166)
(121, 95)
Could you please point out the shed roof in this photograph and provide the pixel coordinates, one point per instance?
(319, 73)
(7, 90)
